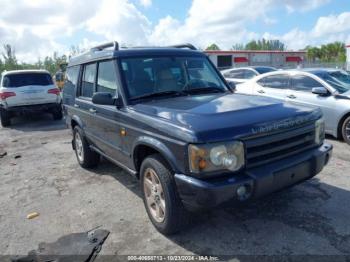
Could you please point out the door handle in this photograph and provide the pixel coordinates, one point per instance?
(76, 106)
(292, 96)
(92, 110)
(261, 91)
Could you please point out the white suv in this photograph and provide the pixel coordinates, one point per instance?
(28, 91)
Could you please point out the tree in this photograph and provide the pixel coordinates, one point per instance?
(313, 53)
(213, 47)
(331, 52)
(264, 44)
(238, 47)
(9, 56)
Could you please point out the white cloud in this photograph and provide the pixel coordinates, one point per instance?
(303, 5)
(333, 24)
(146, 3)
(37, 28)
(326, 29)
(119, 19)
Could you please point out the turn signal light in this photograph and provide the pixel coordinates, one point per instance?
(54, 91)
(4, 95)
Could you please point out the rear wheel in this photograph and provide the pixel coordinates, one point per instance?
(346, 130)
(5, 118)
(160, 197)
(86, 157)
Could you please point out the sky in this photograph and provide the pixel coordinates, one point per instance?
(37, 28)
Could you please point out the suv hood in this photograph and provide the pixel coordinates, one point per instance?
(225, 116)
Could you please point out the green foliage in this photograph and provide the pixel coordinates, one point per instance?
(238, 47)
(213, 47)
(265, 45)
(8, 61)
(332, 52)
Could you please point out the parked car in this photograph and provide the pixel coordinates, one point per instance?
(242, 74)
(328, 89)
(167, 116)
(23, 91)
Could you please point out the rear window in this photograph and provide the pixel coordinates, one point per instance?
(27, 79)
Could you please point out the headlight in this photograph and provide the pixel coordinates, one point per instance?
(215, 157)
(319, 131)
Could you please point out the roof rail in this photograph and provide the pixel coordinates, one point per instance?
(113, 44)
(187, 45)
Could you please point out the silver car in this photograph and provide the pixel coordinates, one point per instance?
(242, 74)
(328, 89)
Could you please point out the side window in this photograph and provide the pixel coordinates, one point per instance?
(304, 83)
(88, 80)
(107, 78)
(72, 75)
(235, 74)
(275, 81)
(248, 74)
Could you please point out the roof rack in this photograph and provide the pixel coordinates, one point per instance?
(113, 44)
(186, 45)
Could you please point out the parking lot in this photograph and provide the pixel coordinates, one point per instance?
(40, 174)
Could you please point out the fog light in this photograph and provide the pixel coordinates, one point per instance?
(243, 192)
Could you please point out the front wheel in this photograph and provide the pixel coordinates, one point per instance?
(160, 197)
(346, 130)
(85, 156)
(5, 118)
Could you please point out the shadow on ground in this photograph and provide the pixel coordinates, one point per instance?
(36, 122)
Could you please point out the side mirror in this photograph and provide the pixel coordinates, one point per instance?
(320, 91)
(232, 85)
(103, 98)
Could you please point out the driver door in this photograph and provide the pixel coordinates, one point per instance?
(300, 91)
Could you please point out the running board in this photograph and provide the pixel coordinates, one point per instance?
(129, 170)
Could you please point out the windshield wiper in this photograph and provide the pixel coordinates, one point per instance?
(211, 89)
(159, 94)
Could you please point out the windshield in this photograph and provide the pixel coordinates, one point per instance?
(339, 80)
(27, 79)
(169, 76)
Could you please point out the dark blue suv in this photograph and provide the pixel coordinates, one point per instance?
(167, 116)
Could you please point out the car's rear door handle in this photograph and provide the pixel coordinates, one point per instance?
(261, 91)
(292, 96)
(92, 110)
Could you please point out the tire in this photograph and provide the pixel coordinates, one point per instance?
(86, 157)
(346, 130)
(5, 118)
(57, 113)
(172, 214)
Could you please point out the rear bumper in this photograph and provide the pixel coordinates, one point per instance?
(198, 194)
(33, 108)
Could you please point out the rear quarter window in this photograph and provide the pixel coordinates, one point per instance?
(27, 79)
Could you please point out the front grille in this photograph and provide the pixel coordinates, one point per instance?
(265, 149)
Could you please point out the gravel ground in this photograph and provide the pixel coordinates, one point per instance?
(311, 218)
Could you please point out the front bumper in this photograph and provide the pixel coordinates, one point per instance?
(199, 194)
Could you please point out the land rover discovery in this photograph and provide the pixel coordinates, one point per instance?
(167, 116)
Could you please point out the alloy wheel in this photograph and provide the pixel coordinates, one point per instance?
(154, 195)
(79, 147)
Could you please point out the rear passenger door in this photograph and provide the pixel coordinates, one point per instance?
(106, 129)
(272, 86)
(83, 101)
